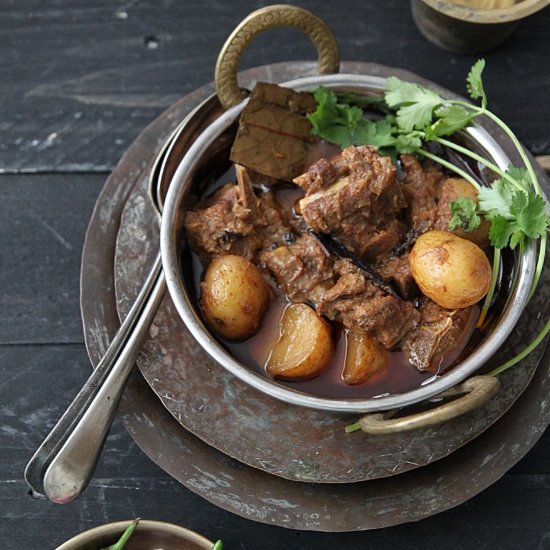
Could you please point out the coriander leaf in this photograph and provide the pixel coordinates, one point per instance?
(530, 212)
(332, 121)
(352, 115)
(464, 215)
(475, 83)
(514, 214)
(338, 134)
(418, 115)
(347, 125)
(516, 238)
(521, 175)
(409, 143)
(451, 119)
(326, 109)
(397, 91)
(495, 200)
(378, 133)
(501, 230)
(324, 95)
(417, 103)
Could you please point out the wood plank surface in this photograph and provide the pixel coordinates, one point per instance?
(127, 484)
(80, 80)
(42, 235)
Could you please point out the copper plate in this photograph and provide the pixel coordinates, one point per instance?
(250, 426)
(252, 493)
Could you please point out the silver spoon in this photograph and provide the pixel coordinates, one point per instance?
(63, 465)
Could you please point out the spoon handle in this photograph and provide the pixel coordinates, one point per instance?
(97, 400)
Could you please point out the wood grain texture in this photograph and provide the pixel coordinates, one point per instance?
(127, 484)
(81, 78)
(42, 224)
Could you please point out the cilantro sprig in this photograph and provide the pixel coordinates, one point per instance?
(346, 124)
(415, 116)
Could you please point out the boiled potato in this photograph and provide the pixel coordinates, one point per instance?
(451, 271)
(304, 347)
(234, 297)
(364, 357)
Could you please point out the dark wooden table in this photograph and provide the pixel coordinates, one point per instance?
(80, 79)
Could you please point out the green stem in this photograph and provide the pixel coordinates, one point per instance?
(450, 166)
(125, 536)
(511, 135)
(353, 427)
(470, 106)
(540, 264)
(520, 149)
(525, 352)
(489, 297)
(479, 158)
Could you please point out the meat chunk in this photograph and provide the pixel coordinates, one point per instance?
(355, 198)
(235, 221)
(363, 307)
(322, 174)
(302, 269)
(421, 189)
(439, 336)
(396, 270)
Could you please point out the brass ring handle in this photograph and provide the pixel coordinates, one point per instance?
(478, 390)
(280, 15)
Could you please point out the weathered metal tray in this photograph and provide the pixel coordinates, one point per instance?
(281, 439)
(250, 492)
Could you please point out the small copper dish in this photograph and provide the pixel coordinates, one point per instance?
(148, 534)
(463, 29)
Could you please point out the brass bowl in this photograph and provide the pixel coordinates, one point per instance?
(463, 29)
(148, 534)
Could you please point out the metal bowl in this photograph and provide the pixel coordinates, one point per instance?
(148, 534)
(211, 149)
(467, 30)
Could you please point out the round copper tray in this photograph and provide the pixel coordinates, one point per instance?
(251, 492)
(250, 426)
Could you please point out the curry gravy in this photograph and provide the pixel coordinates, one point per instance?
(400, 376)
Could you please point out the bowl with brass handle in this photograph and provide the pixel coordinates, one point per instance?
(196, 177)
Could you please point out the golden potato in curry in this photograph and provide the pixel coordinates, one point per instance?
(234, 296)
(451, 271)
(304, 347)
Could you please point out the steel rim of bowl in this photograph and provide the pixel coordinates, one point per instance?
(181, 184)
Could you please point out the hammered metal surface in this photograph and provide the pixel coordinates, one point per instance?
(254, 494)
(282, 439)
